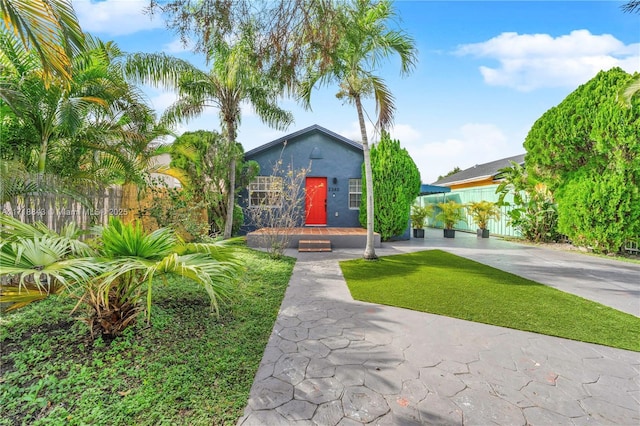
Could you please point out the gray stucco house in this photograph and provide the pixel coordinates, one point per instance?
(332, 188)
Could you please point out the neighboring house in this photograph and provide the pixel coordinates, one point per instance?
(332, 189)
(477, 183)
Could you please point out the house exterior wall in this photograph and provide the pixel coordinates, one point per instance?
(326, 157)
(467, 195)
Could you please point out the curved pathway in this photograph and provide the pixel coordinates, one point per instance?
(335, 361)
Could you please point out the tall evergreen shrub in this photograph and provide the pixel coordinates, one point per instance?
(587, 150)
(396, 184)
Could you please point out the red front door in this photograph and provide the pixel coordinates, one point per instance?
(316, 205)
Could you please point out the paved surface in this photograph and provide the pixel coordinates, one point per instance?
(335, 361)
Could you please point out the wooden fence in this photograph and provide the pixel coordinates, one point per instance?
(56, 209)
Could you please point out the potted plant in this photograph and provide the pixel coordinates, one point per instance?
(450, 213)
(418, 215)
(481, 213)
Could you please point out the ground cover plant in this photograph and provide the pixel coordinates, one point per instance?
(188, 367)
(441, 283)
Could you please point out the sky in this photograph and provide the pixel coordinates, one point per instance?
(486, 71)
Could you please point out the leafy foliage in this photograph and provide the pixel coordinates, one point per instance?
(186, 369)
(396, 184)
(533, 211)
(48, 27)
(419, 214)
(175, 207)
(600, 211)
(450, 213)
(234, 78)
(115, 279)
(482, 212)
(590, 136)
(204, 157)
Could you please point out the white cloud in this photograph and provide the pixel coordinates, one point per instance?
(115, 17)
(405, 133)
(162, 101)
(177, 46)
(532, 61)
(472, 143)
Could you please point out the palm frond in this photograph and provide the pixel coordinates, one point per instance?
(385, 106)
(130, 240)
(157, 69)
(50, 28)
(42, 262)
(629, 90)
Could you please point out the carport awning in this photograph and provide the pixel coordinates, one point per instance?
(433, 189)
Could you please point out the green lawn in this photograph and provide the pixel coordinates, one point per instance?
(188, 368)
(442, 283)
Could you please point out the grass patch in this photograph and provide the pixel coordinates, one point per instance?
(188, 368)
(441, 283)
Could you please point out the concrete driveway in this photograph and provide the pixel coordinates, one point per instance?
(335, 361)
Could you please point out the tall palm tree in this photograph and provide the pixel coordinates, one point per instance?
(55, 111)
(234, 78)
(48, 27)
(365, 42)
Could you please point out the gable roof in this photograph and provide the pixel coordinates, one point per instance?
(314, 128)
(480, 171)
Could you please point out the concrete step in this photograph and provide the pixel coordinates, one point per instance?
(314, 245)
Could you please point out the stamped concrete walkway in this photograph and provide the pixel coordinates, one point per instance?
(335, 361)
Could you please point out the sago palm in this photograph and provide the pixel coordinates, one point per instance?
(133, 259)
(36, 262)
(365, 41)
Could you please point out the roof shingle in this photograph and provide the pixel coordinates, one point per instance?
(480, 171)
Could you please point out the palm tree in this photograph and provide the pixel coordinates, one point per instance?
(629, 90)
(631, 6)
(48, 27)
(366, 40)
(55, 113)
(115, 280)
(234, 78)
(133, 258)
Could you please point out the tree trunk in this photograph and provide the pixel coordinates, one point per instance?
(231, 195)
(369, 250)
(42, 155)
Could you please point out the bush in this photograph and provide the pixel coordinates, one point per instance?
(396, 184)
(599, 211)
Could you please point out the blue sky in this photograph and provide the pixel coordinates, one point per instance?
(487, 71)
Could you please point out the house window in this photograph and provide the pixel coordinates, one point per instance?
(265, 191)
(355, 193)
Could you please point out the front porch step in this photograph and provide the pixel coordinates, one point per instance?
(314, 245)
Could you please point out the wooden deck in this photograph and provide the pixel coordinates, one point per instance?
(339, 237)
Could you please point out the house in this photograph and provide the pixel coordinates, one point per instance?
(330, 194)
(479, 175)
(477, 183)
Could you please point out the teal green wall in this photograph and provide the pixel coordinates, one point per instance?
(466, 195)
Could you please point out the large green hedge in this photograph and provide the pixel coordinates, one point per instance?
(396, 184)
(587, 150)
